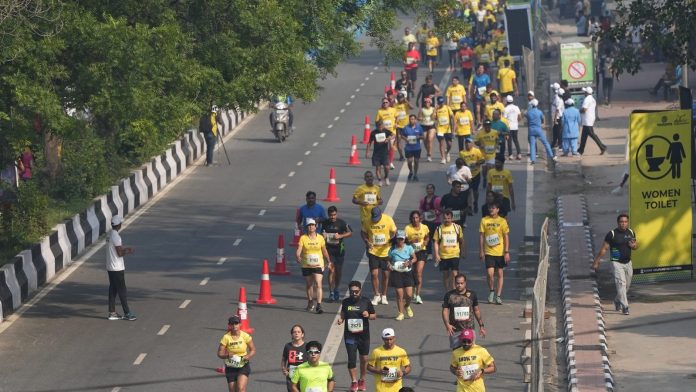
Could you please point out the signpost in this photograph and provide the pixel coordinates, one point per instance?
(577, 64)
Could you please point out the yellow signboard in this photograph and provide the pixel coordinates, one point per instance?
(660, 194)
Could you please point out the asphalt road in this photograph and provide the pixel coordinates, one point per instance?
(65, 343)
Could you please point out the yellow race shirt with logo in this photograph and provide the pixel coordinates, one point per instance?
(236, 347)
(488, 142)
(370, 194)
(312, 256)
(472, 158)
(492, 107)
(379, 235)
(449, 238)
(506, 76)
(494, 230)
(501, 59)
(313, 378)
(416, 237)
(471, 361)
(455, 96)
(483, 54)
(387, 117)
(462, 121)
(396, 358)
(443, 114)
(401, 114)
(431, 44)
(500, 181)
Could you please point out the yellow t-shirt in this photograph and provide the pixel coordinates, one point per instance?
(488, 141)
(415, 236)
(501, 59)
(402, 113)
(506, 76)
(431, 44)
(500, 181)
(483, 53)
(463, 121)
(237, 347)
(455, 96)
(396, 358)
(370, 194)
(474, 359)
(422, 35)
(380, 235)
(494, 230)
(312, 257)
(472, 159)
(491, 107)
(487, 96)
(449, 237)
(387, 117)
(213, 122)
(443, 114)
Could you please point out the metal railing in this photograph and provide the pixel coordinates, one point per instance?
(538, 310)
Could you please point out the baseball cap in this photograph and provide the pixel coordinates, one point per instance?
(569, 101)
(530, 92)
(587, 90)
(560, 91)
(310, 221)
(534, 102)
(234, 320)
(401, 234)
(509, 99)
(440, 99)
(116, 220)
(555, 86)
(467, 334)
(486, 122)
(468, 140)
(388, 333)
(376, 214)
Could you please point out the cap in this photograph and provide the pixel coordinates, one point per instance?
(116, 220)
(569, 101)
(310, 221)
(467, 334)
(376, 214)
(388, 333)
(401, 234)
(428, 99)
(440, 99)
(530, 92)
(468, 140)
(234, 320)
(560, 91)
(534, 102)
(509, 99)
(555, 86)
(493, 93)
(486, 122)
(588, 90)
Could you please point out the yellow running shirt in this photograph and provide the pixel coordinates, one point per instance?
(394, 359)
(401, 114)
(463, 121)
(455, 96)
(472, 159)
(488, 142)
(500, 181)
(494, 230)
(449, 238)
(237, 347)
(370, 194)
(492, 106)
(379, 235)
(415, 236)
(387, 117)
(506, 76)
(312, 257)
(442, 118)
(431, 44)
(471, 361)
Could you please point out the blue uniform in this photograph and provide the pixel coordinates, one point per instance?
(535, 118)
(571, 130)
(316, 212)
(482, 80)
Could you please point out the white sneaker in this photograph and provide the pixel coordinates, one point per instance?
(380, 183)
(384, 300)
(442, 162)
(430, 159)
(511, 157)
(448, 157)
(555, 158)
(387, 182)
(376, 300)
(391, 166)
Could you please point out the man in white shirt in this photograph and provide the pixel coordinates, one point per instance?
(116, 268)
(459, 172)
(588, 116)
(513, 114)
(557, 108)
(408, 38)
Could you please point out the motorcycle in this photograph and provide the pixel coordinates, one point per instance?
(280, 121)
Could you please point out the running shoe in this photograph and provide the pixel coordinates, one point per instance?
(625, 310)
(417, 299)
(391, 166)
(443, 161)
(115, 316)
(409, 312)
(380, 183)
(410, 176)
(354, 386)
(319, 310)
(555, 158)
(511, 157)
(430, 159)
(130, 317)
(337, 295)
(361, 385)
(386, 182)
(447, 157)
(498, 300)
(415, 178)
(617, 304)
(519, 157)
(384, 300)
(331, 296)
(376, 300)
(491, 297)
(400, 317)
(310, 306)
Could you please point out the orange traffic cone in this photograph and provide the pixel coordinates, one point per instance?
(393, 81)
(332, 195)
(281, 268)
(391, 156)
(265, 297)
(353, 160)
(242, 311)
(297, 233)
(366, 132)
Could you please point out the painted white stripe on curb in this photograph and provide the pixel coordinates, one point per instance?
(353, 96)
(348, 103)
(140, 359)
(185, 304)
(330, 126)
(357, 90)
(163, 330)
(362, 84)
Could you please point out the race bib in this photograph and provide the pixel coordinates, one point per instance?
(449, 239)
(234, 361)
(379, 239)
(381, 137)
(443, 120)
(469, 371)
(370, 198)
(412, 139)
(429, 216)
(410, 60)
(331, 238)
(355, 325)
(313, 261)
(291, 370)
(489, 149)
(401, 115)
(457, 99)
(431, 47)
(465, 58)
(314, 389)
(401, 266)
(387, 123)
(391, 376)
(481, 90)
(493, 239)
(417, 246)
(497, 188)
(485, 57)
(456, 215)
(461, 313)
(463, 120)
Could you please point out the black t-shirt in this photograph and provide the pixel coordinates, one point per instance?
(294, 356)
(618, 245)
(340, 227)
(426, 91)
(404, 85)
(380, 147)
(454, 300)
(455, 203)
(352, 310)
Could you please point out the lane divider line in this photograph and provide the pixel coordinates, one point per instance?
(315, 144)
(281, 186)
(307, 152)
(343, 110)
(116, 389)
(353, 96)
(223, 259)
(363, 84)
(292, 173)
(272, 199)
(262, 212)
(204, 281)
(185, 304)
(140, 359)
(251, 226)
(529, 216)
(299, 163)
(163, 330)
(348, 103)
(336, 118)
(330, 126)
(323, 135)
(237, 242)
(357, 90)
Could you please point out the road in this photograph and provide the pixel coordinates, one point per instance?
(175, 278)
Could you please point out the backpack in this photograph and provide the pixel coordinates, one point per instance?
(457, 229)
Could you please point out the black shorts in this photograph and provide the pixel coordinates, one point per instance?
(312, 271)
(431, 58)
(421, 255)
(380, 159)
(449, 264)
(233, 373)
(505, 208)
(400, 280)
(447, 137)
(376, 262)
(495, 261)
(356, 343)
(337, 256)
(413, 154)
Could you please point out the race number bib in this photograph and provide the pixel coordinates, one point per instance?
(481, 90)
(291, 370)
(461, 313)
(387, 123)
(465, 58)
(443, 120)
(489, 149)
(469, 371)
(313, 261)
(381, 137)
(417, 246)
(391, 375)
(463, 120)
(410, 60)
(331, 238)
(314, 389)
(429, 216)
(379, 239)
(412, 139)
(485, 57)
(234, 361)
(456, 215)
(401, 115)
(449, 239)
(355, 325)
(401, 266)
(497, 188)
(370, 198)
(431, 47)
(493, 239)
(456, 99)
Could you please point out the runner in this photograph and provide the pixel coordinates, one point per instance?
(432, 46)
(456, 95)
(429, 207)
(445, 119)
(366, 196)
(401, 259)
(389, 363)
(412, 134)
(473, 158)
(488, 143)
(411, 59)
(311, 210)
(381, 138)
(507, 79)
(490, 198)
(426, 116)
(387, 116)
(335, 230)
(403, 107)
(427, 90)
(313, 375)
(449, 246)
(418, 235)
(294, 354)
(493, 105)
(311, 253)
(466, 60)
(356, 312)
(236, 348)
(513, 115)
(470, 363)
(377, 235)
(477, 88)
(116, 270)
(500, 125)
(500, 181)
(405, 85)
(457, 200)
(494, 249)
(464, 121)
(458, 307)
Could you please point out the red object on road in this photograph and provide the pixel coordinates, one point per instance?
(281, 267)
(242, 311)
(353, 160)
(366, 132)
(393, 81)
(265, 296)
(332, 194)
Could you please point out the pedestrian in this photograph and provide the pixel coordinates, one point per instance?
(426, 116)
(387, 115)
(457, 200)
(377, 235)
(507, 80)
(311, 210)
(313, 375)
(448, 246)
(557, 109)
(470, 363)
(335, 230)
(619, 242)
(513, 115)
(207, 125)
(459, 309)
(464, 121)
(500, 181)
(405, 84)
(473, 158)
(571, 128)
(236, 349)
(487, 141)
(466, 60)
(490, 198)
(432, 46)
(429, 207)
(417, 235)
(456, 95)
(588, 115)
(445, 121)
(356, 313)
(502, 128)
(401, 259)
(381, 139)
(403, 108)
(116, 269)
(427, 90)
(494, 250)
(389, 363)
(294, 354)
(412, 135)
(367, 196)
(477, 88)
(311, 254)
(606, 71)
(535, 121)
(25, 163)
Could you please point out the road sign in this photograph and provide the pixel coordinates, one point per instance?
(577, 63)
(576, 70)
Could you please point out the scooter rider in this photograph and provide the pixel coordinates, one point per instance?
(286, 99)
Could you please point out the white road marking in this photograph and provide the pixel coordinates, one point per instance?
(237, 242)
(529, 216)
(330, 126)
(281, 186)
(291, 174)
(299, 163)
(375, 68)
(116, 389)
(262, 212)
(272, 199)
(185, 304)
(366, 78)
(357, 90)
(336, 118)
(223, 259)
(323, 134)
(140, 359)
(343, 110)
(315, 144)
(204, 281)
(307, 152)
(348, 103)
(353, 96)
(362, 84)
(164, 329)
(372, 72)
(250, 227)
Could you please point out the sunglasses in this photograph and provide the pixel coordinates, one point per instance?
(313, 352)
(355, 291)
(467, 341)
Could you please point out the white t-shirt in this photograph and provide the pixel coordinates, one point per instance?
(559, 106)
(462, 174)
(588, 117)
(407, 39)
(511, 113)
(114, 262)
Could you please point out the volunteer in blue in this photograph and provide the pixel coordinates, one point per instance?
(356, 313)
(412, 134)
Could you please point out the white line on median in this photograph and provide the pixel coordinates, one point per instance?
(204, 281)
(272, 199)
(140, 359)
(223, 259)
(281, 186)
(164, 329)
(251, 226)
(185, 304)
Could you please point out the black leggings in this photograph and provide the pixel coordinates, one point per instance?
(117, 285)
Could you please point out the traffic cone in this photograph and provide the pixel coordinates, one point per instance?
(297, 233)
(353, 160)
(366, 132)
(242, 311)
(265, 297)
(386, 90)
(281, 268)
(332, 195)
(391, 155)
(393, 81)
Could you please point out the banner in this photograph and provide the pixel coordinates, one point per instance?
(577, 63)
(660, 194)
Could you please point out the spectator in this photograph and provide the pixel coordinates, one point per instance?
(25, 162)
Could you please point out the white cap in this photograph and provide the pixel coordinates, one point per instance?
(555, 86)
(587, 90)
(401, 234)
(560, 91)
(569, 101)
(388, 333)
(530, 92)
(310, 221)
(509, 99)
(534, 102)
(116, 220)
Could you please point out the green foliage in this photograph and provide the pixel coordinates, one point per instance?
(86, 171)
(28, 216)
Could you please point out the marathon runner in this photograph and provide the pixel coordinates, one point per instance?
(313, 375)
(294, 354)
(236, 348)
(470, 363)
(335, 230)
(389, 363)
(459, 308)
(356, 313)
(448, 243)
(367, 196)
(377, 235)
(417, 235)
(401, 259)
(311, 254)
(494, 249)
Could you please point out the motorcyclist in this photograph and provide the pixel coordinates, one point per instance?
(282, 98)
